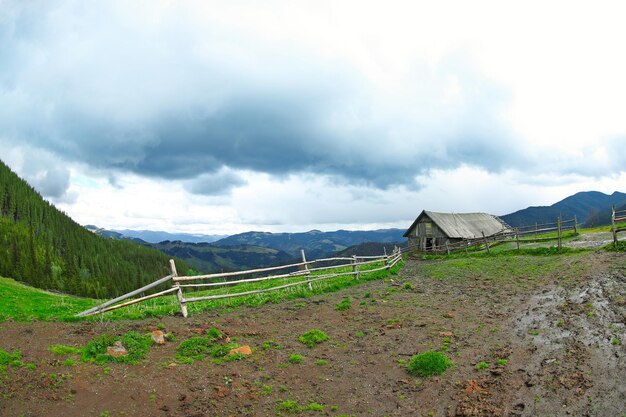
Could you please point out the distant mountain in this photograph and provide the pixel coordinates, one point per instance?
(370, 249)
(45, 248)
(315, 243)
(208, 257)
(152, 236)
(589, 207)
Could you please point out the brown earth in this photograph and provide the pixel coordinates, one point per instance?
(556, 334)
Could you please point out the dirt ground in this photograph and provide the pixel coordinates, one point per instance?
(556, 338)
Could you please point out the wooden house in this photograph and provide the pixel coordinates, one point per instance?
(432, 229)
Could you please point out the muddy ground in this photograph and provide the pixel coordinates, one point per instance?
(558, 338)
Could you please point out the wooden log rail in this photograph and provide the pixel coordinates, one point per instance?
(179, 283)
(616, 218)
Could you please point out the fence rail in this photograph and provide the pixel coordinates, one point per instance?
(616, 218)
(520, 234)
(179, 283)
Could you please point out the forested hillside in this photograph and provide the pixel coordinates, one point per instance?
(315, 243)
(44, 247)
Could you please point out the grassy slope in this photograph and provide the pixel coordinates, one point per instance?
(25, 303)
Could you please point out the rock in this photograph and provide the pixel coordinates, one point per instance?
(158, 337)
(117, 350)
(446, 334)
(172, 365)
(449, 315)
(244, 350)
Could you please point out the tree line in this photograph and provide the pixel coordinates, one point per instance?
(44, 247)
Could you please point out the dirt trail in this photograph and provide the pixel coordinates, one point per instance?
(552, 335)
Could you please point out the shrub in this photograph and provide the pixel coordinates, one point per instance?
(428, 364)
(313, 337)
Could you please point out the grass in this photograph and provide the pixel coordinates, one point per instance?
(481, 365)
(136, 344)
(295, 358)
(198, 347)
(428, 364)
(25, 303)
(63, 350)
(313, 337)
(344, 305)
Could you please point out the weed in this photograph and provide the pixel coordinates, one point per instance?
(344, 305)
(367, 295)
(63, 349)
(428, 364)
(270, 344)
(360, 334)
(533, 332)
(313, 337)
(481, 365)
(299, 305)
(560, 323)
(295, 358)
(266, 390)
(501, 362)
(31, 366)
(616, 341)
(315, 407)
(289, 406)
(407, 286)
(321, 362)
(69, 362)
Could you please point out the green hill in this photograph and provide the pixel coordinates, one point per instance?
(42, 246)
(315, 243)
(211, 258)
(586, 206)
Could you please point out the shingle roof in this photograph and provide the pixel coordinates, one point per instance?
(464, 225)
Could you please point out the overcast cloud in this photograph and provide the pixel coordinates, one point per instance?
(342, 106)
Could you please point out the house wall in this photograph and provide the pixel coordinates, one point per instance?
(425, 237)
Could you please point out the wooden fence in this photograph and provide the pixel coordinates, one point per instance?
(521, 234)
(308, 271)
(617, 217)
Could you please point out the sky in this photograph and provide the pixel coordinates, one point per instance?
(221, 117)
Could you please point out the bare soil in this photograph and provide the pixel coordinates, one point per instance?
(558, 335)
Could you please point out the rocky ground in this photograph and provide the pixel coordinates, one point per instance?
(552, 341)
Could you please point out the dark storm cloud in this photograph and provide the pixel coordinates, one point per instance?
(181, 102)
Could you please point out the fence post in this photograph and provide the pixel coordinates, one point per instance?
(386, 258)
(447, 247)
(536, 228)
(486, 243)
(179, 293)
(613, 228)
(517, 237)
(306, 268)
(355, 269)
(558, 225)
(575, 227)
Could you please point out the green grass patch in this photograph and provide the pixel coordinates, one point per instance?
(198, 347)
(344, 305)
(136, 344)
(25, 303)
(428, 364)
(63, 350)
(481, 365)
(313, 337)
(295, 358)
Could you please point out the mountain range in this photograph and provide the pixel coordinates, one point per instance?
(591, 208)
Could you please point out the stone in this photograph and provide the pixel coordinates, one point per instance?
(244, 350)
(117, 350)
(446, 334)
(158, 337)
